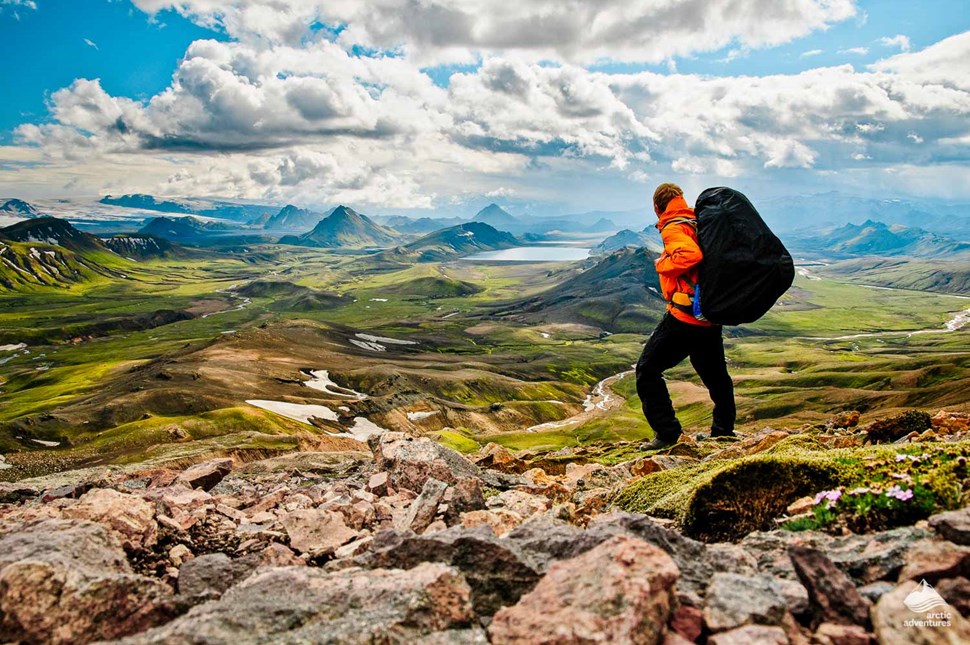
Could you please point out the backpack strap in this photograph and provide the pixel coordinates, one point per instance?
(681, 220)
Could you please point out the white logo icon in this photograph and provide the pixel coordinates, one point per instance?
(923, 598)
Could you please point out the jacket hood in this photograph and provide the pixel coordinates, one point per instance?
(677, 207)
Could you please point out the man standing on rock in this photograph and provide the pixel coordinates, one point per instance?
(679, 333)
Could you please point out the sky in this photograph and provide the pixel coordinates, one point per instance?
(438, 106)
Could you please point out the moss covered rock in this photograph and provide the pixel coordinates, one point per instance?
(727, 500)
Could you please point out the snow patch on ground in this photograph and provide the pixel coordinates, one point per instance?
(48, 444)
(364, 428)
(13, 348)
(301, 412)
(320, 380)
(418, 416)
(374, 347)
(378, 299)
(383, 339)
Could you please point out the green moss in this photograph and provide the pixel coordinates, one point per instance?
(457, 441)
(727, 500)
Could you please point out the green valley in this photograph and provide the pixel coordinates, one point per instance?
(156, 359)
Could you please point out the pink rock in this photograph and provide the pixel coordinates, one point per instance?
(835, 634)
(751, 635)
(316, 532)
(68, 581)
(500, 520)
(378, 483)
(895, 624)
(620, 591)
(519, 502)
(688, 622)
(207, 474)
(131, 518)
(935, 559)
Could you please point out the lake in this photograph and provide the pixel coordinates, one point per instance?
(532, 254)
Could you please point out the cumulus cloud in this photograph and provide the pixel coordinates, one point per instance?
(945, 63)
(580, 31)
(280, 113)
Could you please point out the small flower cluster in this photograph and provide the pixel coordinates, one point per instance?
(912, 458)
(832, 497)
(899, 493)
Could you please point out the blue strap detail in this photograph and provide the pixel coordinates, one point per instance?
(697, 303)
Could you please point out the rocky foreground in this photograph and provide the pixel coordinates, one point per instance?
(412, 542)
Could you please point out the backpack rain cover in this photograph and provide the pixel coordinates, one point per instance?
(745, 268)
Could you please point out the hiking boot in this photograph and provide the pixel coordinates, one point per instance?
(659, 443)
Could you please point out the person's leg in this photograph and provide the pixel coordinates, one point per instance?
(663, 350)
(707, 357)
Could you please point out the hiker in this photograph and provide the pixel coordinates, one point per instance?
(679, 333)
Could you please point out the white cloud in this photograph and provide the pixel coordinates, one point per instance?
(26, 4)
(899, 40)
(270, 117)
(861, 51)
(90, 43)
(812, 52)
(580, 31)
(945, 63)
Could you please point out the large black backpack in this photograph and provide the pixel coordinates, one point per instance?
(745, 268)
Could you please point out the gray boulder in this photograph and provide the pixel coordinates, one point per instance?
(496, 571)
(735, 600)
(309, 605)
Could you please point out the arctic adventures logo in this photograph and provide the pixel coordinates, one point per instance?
(923, 599)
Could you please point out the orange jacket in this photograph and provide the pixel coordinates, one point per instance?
(677, 265)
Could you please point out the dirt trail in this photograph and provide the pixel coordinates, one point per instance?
(600, 400)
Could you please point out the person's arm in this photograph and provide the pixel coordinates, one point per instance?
(681, 251)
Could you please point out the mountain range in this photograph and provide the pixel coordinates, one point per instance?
(191, 206)
(187, 230)
(832, 209)
(496, 216)
(877, 238)
(446, 244)
(343, 227)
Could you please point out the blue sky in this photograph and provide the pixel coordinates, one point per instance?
(46, 50)
(287, 106)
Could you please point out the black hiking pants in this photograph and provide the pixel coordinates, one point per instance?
(671, 342)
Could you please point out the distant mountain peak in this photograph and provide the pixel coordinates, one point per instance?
(343, 227)
(51, 230)
(493, 208)
(19, 207)
(293, 218)
(496, 216)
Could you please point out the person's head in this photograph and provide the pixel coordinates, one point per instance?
(663, 195)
